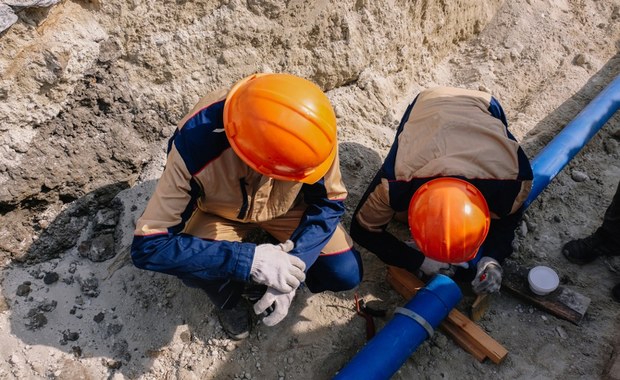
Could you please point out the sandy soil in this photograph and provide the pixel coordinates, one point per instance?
(71, 318)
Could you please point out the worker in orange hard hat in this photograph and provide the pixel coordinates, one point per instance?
(459, 178)
(262, 154)
(449, 219)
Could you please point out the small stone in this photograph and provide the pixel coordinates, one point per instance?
(99, 317)
(37, 321)
(112, 364)
(70, 335)
(561, 332)
(23, 290)
(581, 60)
(186, 336)
(50, 278)
(578, 176)
(77, 351)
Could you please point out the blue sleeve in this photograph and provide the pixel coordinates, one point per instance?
(189, 257)
(318, 223)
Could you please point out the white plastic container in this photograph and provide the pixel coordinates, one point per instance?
(543, 280)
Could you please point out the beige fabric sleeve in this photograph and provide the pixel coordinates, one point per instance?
(333, 181)
(376, 211)
(169, 200)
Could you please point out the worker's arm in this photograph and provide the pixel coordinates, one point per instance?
(485, 270)
(498, 243)
(158, 244)
(325, 207)
(368, 228)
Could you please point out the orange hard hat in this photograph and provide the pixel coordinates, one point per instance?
(282, 126)
(449, 219)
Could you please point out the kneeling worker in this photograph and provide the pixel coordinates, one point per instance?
(261, 155)
(459, 178)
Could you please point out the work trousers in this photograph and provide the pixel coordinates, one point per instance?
(338, 267)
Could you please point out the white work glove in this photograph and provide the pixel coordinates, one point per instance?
(274, 267)
(278, 301)
(488, 276)
(430, 267)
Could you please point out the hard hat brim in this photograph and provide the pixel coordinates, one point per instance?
(320, 170)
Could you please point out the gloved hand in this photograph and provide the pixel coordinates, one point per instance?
(488, 276)
(274, 267)
(278, 301)
(430, 267)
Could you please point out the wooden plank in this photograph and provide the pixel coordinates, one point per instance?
(564, 302)
(463, 340)
(465, 333)
(495, 351)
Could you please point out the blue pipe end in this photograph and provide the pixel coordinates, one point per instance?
(384, 354)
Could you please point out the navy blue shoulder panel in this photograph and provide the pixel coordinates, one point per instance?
(525, 169)
(202, 138)
(390, 160)
(498, 112)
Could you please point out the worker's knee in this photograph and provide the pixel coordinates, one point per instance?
(336, 272)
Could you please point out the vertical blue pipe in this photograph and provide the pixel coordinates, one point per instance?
(386, 352)
(548, 163)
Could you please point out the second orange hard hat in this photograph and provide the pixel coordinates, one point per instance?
(449, 219)
(282, 126)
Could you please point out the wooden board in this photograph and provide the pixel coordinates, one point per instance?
(461, 329)
(564, 302)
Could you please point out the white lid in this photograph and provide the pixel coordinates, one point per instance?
(543, 279)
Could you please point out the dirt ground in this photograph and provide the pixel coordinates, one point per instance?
(73, 307)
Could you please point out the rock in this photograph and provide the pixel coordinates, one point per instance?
(50, 278)
(7, 17)
(23, 290)
(99, 249)
(186, 336)
(99, 317)
(69, 335)
(113, 329)
(89, 286)
(4, 306)
(112, 364)
(47, 306)
(36, 321)
(581, 60)
(578, 176)
(561, 332)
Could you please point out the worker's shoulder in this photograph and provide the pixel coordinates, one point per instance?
(444, 91)
(208, 104)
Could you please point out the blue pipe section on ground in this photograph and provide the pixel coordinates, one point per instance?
(548, 163)
(386, 352)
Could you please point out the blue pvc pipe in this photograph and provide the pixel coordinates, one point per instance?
(548, 163)
(386, 352)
